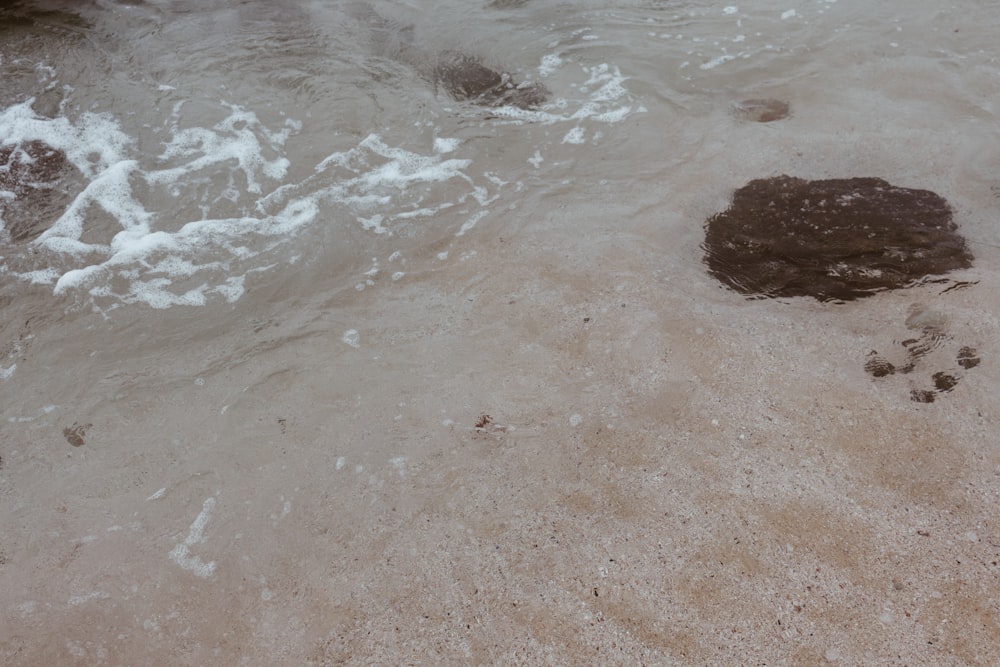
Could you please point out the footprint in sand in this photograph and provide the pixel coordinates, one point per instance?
(927, 349)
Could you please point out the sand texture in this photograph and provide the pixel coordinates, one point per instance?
(329, 365)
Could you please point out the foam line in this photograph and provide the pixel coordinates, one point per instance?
(181, 553)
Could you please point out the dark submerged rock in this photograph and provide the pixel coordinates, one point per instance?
(465, 78)
(31, 184)
(837, 239)
(15, 15)
(507, 4)
(761, 110)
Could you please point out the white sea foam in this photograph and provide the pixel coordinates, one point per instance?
(380, 184)
(606, 99)
(160, 261)
(181, 553)
(718, 60)
(445, 145)
(125, 239)
(145, 254)
(352, 338)
(93, 143)
(576, 135)
(550, 63)
(240, 137)
(77, 600)
(471, 222)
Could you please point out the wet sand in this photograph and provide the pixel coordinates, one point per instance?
(667, 477)
(555, 438)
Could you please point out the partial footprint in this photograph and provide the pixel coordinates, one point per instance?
(967, 357)
(922, 351)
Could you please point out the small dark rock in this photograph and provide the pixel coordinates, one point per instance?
(463, 76)
(837, 239)
(762, 110)
(32, 173)
(74, 434)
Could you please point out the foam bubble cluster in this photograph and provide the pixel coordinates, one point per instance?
(152, 257)
(189, 223)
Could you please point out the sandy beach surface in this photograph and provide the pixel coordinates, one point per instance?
(550, 437)
(659, 479)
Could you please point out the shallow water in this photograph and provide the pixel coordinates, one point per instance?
(245, 366)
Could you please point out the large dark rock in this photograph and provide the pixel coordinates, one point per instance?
(837, 239)
(32, 195)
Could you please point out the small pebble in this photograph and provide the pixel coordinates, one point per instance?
(761, 110)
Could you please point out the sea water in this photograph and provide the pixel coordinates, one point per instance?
(238, 135)
(290, 302)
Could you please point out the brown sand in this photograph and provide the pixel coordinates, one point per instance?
(671, 474)
(668, 477)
